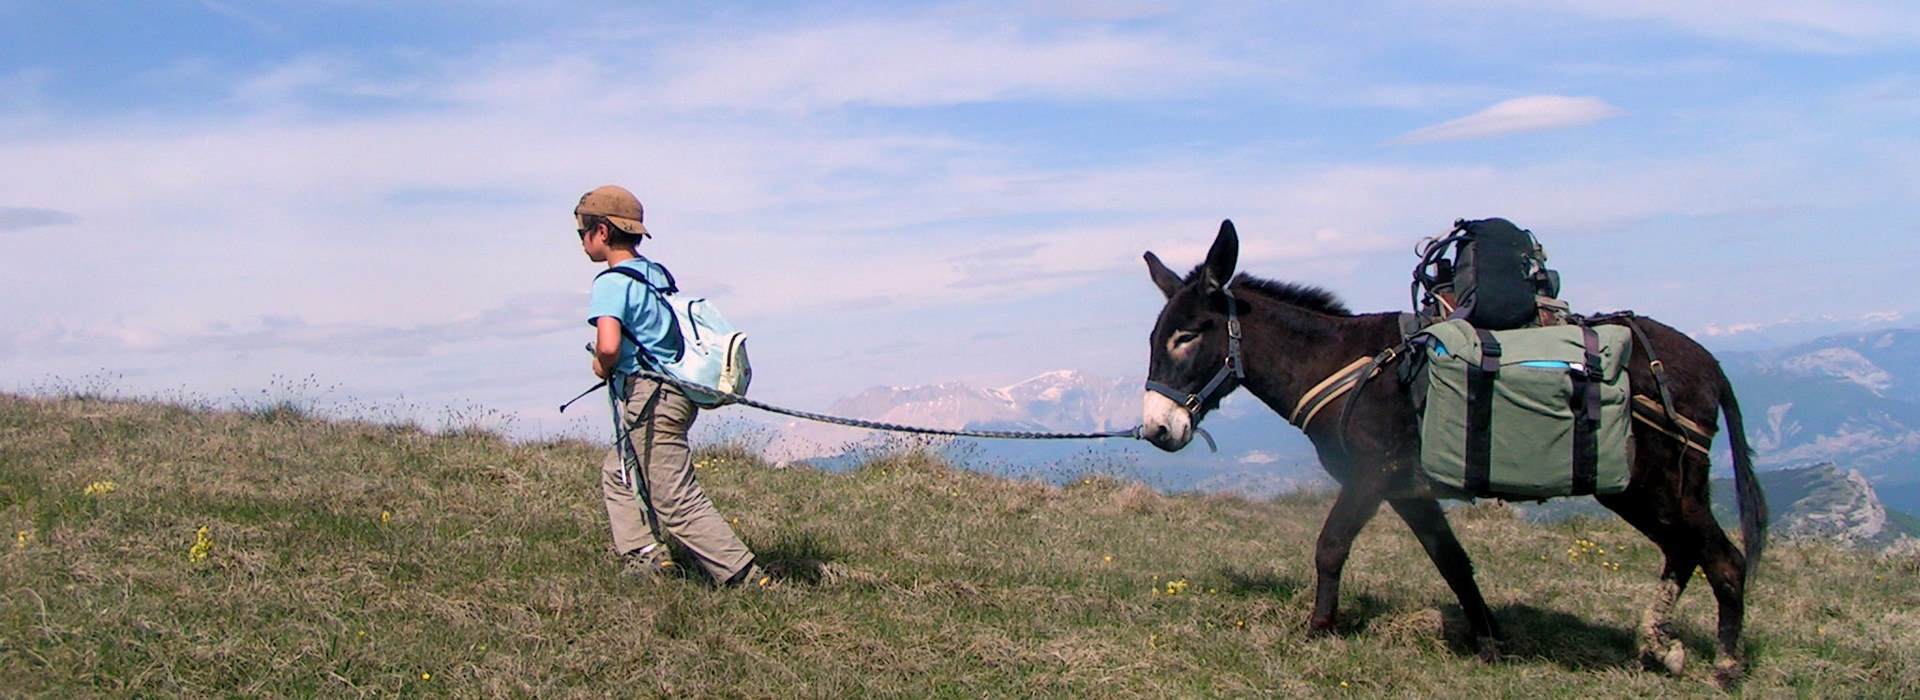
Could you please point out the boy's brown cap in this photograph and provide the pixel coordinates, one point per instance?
(618, 205)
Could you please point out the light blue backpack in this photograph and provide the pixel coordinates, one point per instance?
(713, 355)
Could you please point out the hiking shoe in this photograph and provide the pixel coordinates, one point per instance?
(753, 578)
(648, 565)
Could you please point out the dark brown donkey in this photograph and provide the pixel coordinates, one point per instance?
(1220, 332)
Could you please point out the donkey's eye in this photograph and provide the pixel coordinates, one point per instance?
(1182, 338)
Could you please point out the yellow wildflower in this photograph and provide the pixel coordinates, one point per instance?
(99, 488)
(21, 538)
(202, 545)
(386, 516)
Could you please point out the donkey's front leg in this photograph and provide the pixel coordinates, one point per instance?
(1356, 504)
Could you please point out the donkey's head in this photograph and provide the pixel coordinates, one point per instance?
(1193, 354)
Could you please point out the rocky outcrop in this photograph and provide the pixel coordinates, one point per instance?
(1824, 503)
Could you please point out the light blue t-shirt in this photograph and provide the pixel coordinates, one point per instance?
(642, 313)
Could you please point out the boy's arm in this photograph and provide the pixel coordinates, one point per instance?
(606, 345)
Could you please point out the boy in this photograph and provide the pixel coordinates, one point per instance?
(635, 329)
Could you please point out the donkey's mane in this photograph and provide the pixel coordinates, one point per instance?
(1305, 296)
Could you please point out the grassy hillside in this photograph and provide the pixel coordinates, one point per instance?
(168, 552)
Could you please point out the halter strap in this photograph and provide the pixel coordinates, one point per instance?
(1233, 367)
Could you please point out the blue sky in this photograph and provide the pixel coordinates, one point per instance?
(202, 197)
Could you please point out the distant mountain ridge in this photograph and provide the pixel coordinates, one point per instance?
(1850, 399)
(1885, 362)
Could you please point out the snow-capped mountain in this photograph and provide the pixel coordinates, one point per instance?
(1062, 400)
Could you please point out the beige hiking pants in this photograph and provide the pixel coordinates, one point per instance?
(666, 465)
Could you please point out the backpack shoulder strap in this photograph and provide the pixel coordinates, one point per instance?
(628, 272)
(672, 287)
(641, 277)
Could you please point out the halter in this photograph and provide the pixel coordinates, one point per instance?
(1233, 366)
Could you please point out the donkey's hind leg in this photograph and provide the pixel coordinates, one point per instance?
(1429, 524)
(1726, 570)
(1658, 648)
(1697, 540)
(1680, 543)
(1657, 645)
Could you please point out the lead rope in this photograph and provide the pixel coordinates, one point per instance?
(1135, 432)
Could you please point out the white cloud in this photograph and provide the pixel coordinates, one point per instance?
(1520, 114)
(923, 63)
(1834, 26)
(1257, 457)
(1824, 323)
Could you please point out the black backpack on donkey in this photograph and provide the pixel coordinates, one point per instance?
(1518, 399)
(1496, 278)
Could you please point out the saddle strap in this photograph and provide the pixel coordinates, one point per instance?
(1682, 429)
(1331, 388)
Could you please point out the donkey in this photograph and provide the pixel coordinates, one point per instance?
(1220, 331)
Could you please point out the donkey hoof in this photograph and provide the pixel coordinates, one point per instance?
(1674, 658)
(1318, 629)
(1663, 653)
(1490, 650)
(1727, 673)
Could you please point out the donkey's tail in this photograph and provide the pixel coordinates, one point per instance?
(1753, 502)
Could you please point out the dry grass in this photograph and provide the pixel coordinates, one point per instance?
(355, 559)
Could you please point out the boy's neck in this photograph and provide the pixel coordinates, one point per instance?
(619, 255)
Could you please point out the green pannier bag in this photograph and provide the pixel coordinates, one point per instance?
(1526, 414)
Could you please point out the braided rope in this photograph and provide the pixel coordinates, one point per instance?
(1133, 432)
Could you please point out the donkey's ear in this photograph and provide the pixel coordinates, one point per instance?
(1224, 255)
(1165, 279)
